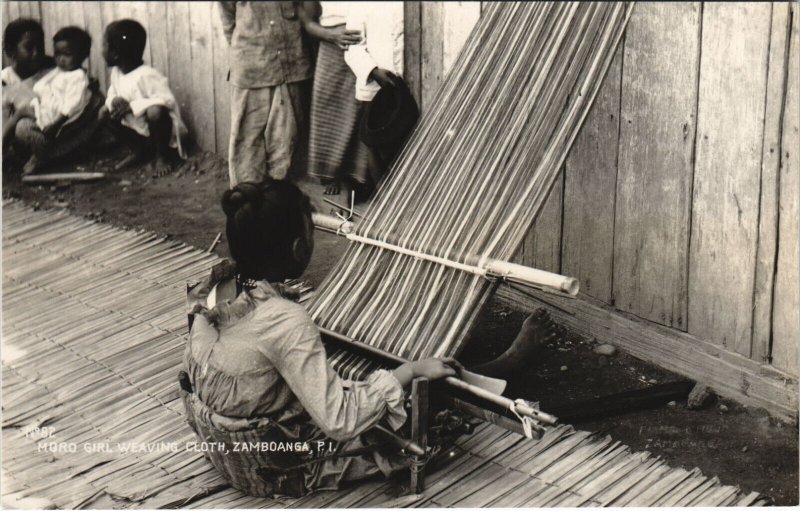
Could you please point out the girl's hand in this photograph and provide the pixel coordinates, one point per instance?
(342, 37)
(431, 368)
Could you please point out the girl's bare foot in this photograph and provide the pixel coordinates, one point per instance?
(537, 330)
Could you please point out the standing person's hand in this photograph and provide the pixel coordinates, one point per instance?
(342, 37)
(384, 77)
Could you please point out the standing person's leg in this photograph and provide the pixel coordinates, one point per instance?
(286, 119)
(247, 151)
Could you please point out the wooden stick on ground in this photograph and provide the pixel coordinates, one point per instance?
(63, 176)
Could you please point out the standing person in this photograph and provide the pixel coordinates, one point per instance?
(270, 68)
(377, 61)
(336, 156)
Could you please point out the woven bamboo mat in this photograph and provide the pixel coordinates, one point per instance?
(93, 334)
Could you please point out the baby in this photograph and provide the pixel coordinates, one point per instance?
(140, 108)
(63, 93)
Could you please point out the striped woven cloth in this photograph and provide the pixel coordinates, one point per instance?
(335, 150)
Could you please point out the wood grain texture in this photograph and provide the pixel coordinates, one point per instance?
(6, 12)
(770, 169)
(157, 33)
(786, 315)
(432, 51)
(589, 192)
(730, 134)
(729, 374)
(459, 18)
(542, 245)
(180, 59)
(93, 17)
(222, 91)
(50, 23)
(659, 87)
(412, 48)
(202, 76)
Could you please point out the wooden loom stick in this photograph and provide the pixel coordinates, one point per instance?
(489, 268)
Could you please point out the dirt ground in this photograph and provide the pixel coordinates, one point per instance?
(740, 445)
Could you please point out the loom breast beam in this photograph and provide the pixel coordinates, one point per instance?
(489, 268)
(521, 408)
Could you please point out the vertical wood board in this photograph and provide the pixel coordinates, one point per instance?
(432, 50)
(157, 31)
(93, 17)
(770, 169)
(222, 92)
(590, 189)
(542, 245)
(180, 59)
(459, 18)
(786, 315)
(412, 48)
(659, 90)
(50, 24)
(730, 134)
(202, 75)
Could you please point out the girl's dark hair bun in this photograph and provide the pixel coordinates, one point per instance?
(239, 196)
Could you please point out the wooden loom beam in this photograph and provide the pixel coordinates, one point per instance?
(475, 393)
(478, 266)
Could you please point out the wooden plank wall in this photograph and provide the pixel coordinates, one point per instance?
(678, 203)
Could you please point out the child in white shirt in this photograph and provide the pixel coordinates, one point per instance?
(140, 108)
(63, 93)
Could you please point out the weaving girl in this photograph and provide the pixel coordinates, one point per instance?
(257, 370)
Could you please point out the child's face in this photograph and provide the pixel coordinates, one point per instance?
(109, 54)
(28, 53)
(66, 56)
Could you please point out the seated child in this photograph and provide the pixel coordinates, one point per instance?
(23, 44)
(63, 93)
(140, 108)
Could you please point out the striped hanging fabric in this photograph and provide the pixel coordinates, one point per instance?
(472, 178)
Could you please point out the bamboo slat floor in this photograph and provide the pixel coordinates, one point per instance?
(93, 333)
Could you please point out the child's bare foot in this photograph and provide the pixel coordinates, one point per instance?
(132, 159)
(161, 167)
(31, 166)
